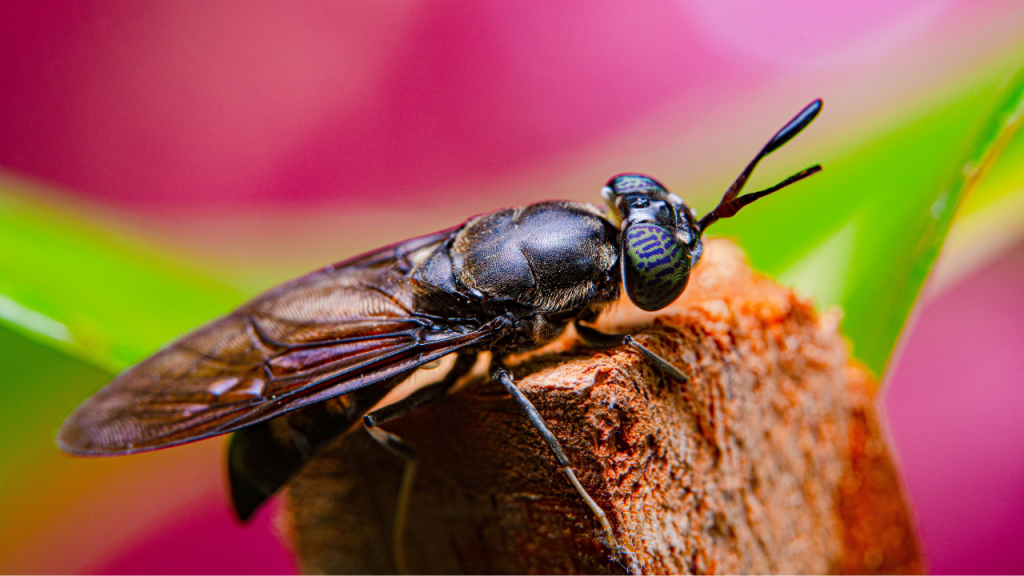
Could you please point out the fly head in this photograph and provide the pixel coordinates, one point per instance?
(660, 234)
(659, 243)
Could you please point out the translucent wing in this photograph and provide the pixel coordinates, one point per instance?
(330, 332)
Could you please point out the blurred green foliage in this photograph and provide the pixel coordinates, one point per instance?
(865, 233)
(96, 294)
(40, 387)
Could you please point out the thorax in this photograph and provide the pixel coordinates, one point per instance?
(546, 263)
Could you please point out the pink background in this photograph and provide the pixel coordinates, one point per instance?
(207, 124)
(955, 408)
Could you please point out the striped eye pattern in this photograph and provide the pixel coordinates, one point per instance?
(655, 266)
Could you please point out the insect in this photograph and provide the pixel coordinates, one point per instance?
(291, 369)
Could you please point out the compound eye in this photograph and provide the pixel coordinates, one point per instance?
(655, 265)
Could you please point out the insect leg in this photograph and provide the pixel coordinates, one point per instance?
(463, 364)
(408, 453)
(405, 450)
(502, 374)
(264, 456)
(597, 339)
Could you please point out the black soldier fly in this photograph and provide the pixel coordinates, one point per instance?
(293, 368)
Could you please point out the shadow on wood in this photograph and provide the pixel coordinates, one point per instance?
(770, 460)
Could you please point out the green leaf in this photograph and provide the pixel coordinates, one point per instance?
(865, 233)
(98, 295)
(40, 386)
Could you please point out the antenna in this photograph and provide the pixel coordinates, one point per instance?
(730, 204)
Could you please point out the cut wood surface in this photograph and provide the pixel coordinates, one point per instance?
(770, 460)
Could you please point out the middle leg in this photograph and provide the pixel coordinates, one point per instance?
(502, 374)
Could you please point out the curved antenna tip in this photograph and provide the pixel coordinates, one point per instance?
(793, 127)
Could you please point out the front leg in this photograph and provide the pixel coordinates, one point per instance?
(597, 339)
(601, 341)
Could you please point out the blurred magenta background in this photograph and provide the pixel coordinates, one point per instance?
(272, 137)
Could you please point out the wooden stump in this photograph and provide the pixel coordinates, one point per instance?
(770, 460)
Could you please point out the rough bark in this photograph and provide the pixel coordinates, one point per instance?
(770, 460)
